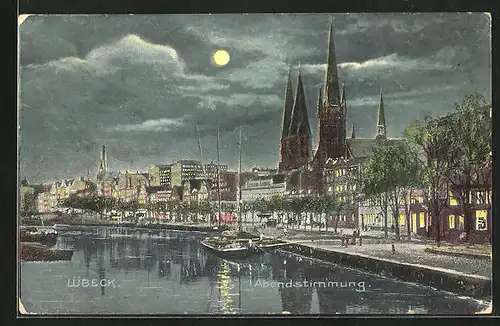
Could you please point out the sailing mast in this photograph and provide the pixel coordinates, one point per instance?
(204, 172)
(218, 176)
(239, 185)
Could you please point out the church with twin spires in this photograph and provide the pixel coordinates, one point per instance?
(296, 150)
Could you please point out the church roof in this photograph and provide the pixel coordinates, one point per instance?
(363, 147)
(110, 176)
(299, 117)
(288, 107)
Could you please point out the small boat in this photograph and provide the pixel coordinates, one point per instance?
(232, 250)
(238, 248)
(61, 226)
(43, 238)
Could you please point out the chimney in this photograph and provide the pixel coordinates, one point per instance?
(104, 159)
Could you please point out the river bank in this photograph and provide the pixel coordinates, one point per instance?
(410, 262)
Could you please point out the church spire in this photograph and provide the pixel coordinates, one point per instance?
(288, 106)
(381, 127)
(332, 89)
(299, 115)
(353, 131)
(342, 94)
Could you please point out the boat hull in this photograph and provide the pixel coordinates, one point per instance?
(46, 239)
(232, 253)
(34, 252)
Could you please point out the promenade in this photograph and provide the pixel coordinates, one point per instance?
(376, 246)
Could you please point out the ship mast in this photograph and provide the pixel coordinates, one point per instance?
(218, 176)
(239, 184)
(204, 172)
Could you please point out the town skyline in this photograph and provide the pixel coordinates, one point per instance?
(141, 90)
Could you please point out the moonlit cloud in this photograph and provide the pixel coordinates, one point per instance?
(152, 125)
(139, 84)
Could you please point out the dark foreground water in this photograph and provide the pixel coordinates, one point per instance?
(132, 271)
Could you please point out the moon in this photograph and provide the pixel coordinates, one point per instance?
(221, 57)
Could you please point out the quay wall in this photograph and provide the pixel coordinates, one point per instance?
(463, 284)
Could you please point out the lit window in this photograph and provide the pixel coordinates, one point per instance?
(420, 199)
(422, 220)
(481, 223)
(453, 201)
(451, 221)
(401, 219)
(481, 197)
(461, 225)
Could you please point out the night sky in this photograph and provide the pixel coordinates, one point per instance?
(139, 83)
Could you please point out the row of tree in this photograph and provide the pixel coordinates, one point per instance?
(292, 208)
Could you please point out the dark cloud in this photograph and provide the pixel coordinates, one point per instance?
(139, 84)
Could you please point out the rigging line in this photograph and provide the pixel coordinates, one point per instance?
(210, 298)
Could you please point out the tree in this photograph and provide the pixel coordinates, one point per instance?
(376, 176)
(432, 137)
(28, 203)
(319, 208)
(297, 206)
(333, 206)
(389, 175)
(244, 209)
(276, 204)
(470, 138)
(171, 208)
(309, 206)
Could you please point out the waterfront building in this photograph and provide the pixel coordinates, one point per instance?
(184, 170)
(264, 187)
(211, 170)
(108, 185)
(81, 187)
(41, 193)
(131, 185)
(260, 171)
(160, 175)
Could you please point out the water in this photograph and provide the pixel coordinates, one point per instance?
(167, 272)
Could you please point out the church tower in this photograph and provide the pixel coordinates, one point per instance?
(287, 118)
(381, 128)
(103, 164)
(332, 114)
(296, 134)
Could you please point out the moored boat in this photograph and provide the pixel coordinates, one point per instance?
(238, 248)
(61, 227)
(40, 252)
(231, 249)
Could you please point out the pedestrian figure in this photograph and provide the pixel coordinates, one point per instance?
(393, 249)
(342, 239)
(353, 241)
(360, 241)
(392, 228)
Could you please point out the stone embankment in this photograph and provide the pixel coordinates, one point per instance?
(411, 262)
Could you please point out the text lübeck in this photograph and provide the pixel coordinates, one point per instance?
(76, 282)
